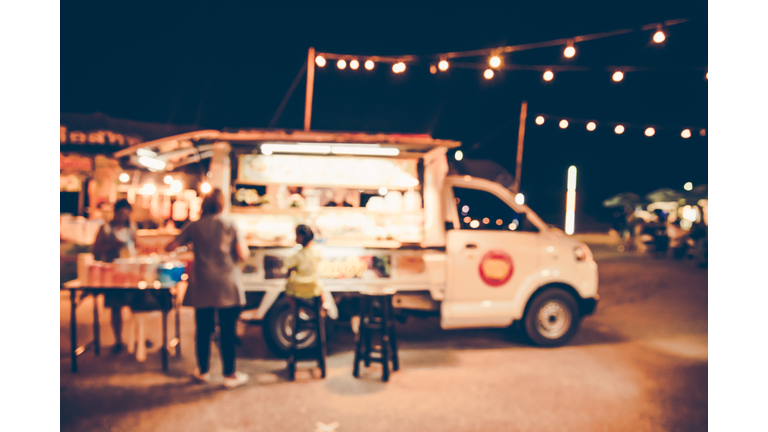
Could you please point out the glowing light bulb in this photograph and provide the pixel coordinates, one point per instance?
(398, 67)
(548, 75)
(486, 221)
(459, 155)
(703, 132)
(539, 120)
(618, 76)
(495, 61)
(591, 126)
(569, 51)
(688, 186)
(176, 186)
(659, 36)
(706, 76)
(341, 64)
(320, 61)
(650, 132)
(474, 224)
(686, 133)
(467, 219)
(383, 190)
(432, 69)
(563, 124)
(168, 179)
(205, 187)
(499, 222)
(520, 199)
(148, 189)
(124, 177)
(488, 74)
(354, 64)
(369, 64)
(443, 65)
(619, 129)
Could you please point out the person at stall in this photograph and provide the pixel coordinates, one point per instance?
(213, 285)
(117, 239)
(302, 281)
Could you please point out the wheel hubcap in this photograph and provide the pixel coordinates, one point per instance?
(554, 319)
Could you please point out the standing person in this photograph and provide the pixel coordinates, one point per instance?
(213, 285)
(117, 239)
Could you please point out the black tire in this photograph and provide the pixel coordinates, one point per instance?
(277, 332)
(552, 318)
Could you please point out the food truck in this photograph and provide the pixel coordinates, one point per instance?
(387, 216)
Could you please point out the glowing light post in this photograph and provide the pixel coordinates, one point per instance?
(570, 201)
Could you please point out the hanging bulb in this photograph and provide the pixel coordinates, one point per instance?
(591, 126)
(619, 129)
(650, 132)
(548, 75)
(354, 64)
(539, 120)
(659, 36)
(495, 61)
(443, 65)
(320, 61)
(569, 51)
(618, 76)
(432, 69)
(686, 133)
(488, 74)
(563, 124)
(341, 64)
(369, 64)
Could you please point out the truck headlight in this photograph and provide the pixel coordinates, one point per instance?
(581, 253)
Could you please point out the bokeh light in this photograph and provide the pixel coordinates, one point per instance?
(650, 132)
(495, 61)
(354, 64)
(124, 177)
(686, 133)
(619, 129)
(443, 65)
(488, 74)
(341, 64)
(369, 64)
(659, 36)
(459, 155)
(569, 51)
(548, 75)
(539, 120)
(618, 76)
(205, 187)
(320, 61)
(563, 124)
(591, 126)
(168, 179)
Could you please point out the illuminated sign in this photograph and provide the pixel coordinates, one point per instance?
(99, 137)
(371, 173)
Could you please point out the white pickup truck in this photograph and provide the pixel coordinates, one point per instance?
(457, 247)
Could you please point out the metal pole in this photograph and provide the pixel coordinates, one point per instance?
(310, 87)
(520, 135)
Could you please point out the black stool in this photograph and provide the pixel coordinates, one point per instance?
(319, 350)
(376, 317)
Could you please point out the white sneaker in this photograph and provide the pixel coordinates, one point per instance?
(236, 381)
(202, 378)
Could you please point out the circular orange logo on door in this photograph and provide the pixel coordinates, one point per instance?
(496, 268)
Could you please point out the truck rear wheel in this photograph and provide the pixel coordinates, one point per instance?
(278, 328)
(552, 318)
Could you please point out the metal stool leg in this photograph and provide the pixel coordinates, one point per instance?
(294, 328)
(385, 354)
(321, 333)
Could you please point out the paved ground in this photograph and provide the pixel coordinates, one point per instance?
(639, 364)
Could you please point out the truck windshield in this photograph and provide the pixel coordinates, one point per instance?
(483, 210)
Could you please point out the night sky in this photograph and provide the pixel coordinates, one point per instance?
(228, 65)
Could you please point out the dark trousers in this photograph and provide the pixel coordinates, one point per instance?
(206, 325)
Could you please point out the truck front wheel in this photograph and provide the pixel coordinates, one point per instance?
(278, 328)
(552, 318)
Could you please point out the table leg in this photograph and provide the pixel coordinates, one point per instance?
(177, 305)
(164, 349)
(73, 326)
(96, 325)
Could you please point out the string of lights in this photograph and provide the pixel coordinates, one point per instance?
(617, 127)
(440, 62)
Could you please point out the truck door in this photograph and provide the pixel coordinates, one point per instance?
(491, 250)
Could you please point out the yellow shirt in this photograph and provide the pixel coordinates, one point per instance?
(303, 281)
